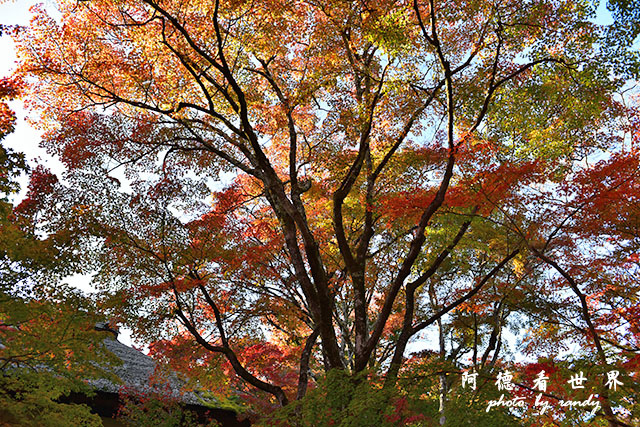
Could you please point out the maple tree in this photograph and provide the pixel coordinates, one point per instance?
(287, 188)
(46, 328)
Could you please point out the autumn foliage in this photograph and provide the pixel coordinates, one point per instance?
(270, 191)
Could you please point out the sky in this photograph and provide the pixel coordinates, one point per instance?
(26, 138)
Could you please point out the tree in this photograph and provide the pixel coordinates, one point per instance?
(336, 177)
(46, 328)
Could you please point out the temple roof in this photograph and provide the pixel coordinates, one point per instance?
(140, 373)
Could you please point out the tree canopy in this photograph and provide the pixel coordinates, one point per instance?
(47, 335)
(281, 189)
